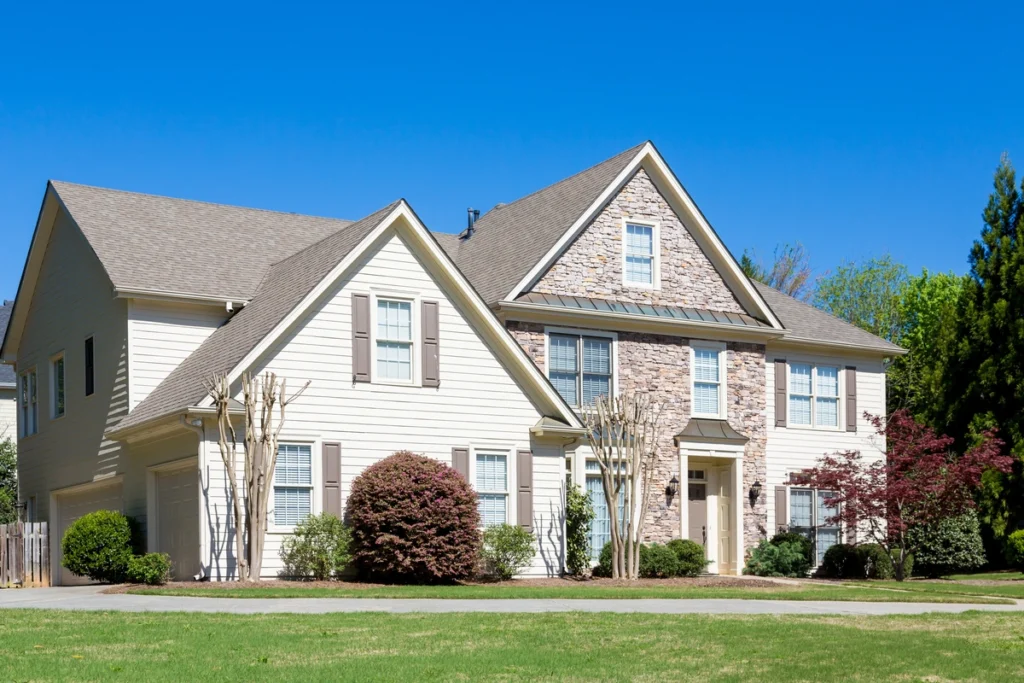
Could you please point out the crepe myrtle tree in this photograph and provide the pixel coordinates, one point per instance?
(250, 498)
(623, 433)
(920, 481)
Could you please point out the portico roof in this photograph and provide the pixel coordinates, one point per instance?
(704, 430)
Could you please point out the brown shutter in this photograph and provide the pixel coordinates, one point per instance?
(360, 337)
(460, 461)
(431, 334)
(332, 478)
(780, 392)
(781, 508)
(524, 480)
(851, 399)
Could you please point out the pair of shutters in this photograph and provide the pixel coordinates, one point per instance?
(524, 482)
(781, 399)
(430, 357)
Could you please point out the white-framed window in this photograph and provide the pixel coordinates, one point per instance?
(29, 403)
(708, 380)
(814, 395)
(580, 366)
(640, 254)
(809, 515)
(293, 484)
(394, 340)
(601, 527)
(492, 487)
(58, 401)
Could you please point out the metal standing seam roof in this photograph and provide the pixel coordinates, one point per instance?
(7, 378)
(715, 431)
(647, 310)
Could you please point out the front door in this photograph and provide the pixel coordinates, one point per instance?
(725, 522)
(698, 512)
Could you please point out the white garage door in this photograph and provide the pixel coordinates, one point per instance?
(177, 500)
(70, 507)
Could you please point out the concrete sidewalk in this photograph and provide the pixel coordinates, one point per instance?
(92, 598)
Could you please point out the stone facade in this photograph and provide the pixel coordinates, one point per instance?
(748, 415)
(592, 265)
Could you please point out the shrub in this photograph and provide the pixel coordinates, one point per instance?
(318, 548)
(151, 568)
(948, 546)
(875, 562)
(1015, 549)
(507, 549)
(784, 559)
(843, 561)
(658, 561)
(799, 539)
(604, 561)
(413, 519)
(98, 545)
(579, 516)
(692, 560)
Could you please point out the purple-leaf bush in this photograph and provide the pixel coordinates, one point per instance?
(413, 520)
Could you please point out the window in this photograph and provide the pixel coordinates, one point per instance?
(90, 372)
(580, 367)
(293, 484)
(601, 527)
(29, 404)
(809, 514)
(813, 395)
(492, 488)
(57, 405)
(707, 381)
(639, 255)
(394, 340)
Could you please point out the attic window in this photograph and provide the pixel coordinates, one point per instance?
(640, 263)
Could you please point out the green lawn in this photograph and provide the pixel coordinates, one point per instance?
(570, 590)
(48, 645)
(1011, 590)
(988, 576)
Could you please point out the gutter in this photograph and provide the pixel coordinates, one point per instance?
(165, 420)
(165, 295)
(842, 346)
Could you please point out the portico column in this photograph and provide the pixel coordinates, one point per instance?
(740, 507)
(684, 495)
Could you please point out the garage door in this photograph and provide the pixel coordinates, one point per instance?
(177, 500)
(70, 507)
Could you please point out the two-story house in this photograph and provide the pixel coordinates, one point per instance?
(477, 349)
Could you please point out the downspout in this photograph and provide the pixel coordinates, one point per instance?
(198, 425)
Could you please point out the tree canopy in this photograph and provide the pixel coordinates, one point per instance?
(790, 272)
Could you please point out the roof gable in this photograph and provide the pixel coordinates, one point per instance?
(6, 371)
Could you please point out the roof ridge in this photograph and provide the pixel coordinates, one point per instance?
(388, 208)
(196, 201)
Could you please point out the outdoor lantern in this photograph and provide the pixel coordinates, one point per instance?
(673, 487)
(755, 493)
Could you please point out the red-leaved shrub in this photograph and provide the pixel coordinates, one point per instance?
(413, 519)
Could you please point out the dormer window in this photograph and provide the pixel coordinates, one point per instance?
(640, 262)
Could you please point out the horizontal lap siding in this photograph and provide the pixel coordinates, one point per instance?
(161, 336)
(477, 404)
(792, 449)
(548, 494)
(8, 415)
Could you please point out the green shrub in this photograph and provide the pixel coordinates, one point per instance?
(658, 561)
(604, 561)
(799, 539)
(692, 560)
(98, 545)
(842, 561)
(507, 549)
(784, 559)
(318, 548)
(949, 546)
(1015, 549)
(579, 516)
(151, 568)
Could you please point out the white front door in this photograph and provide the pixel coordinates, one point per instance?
(726, 523)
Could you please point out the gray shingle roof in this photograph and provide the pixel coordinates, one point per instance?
(6, 371)
(285, 285)
(807, 323)
(187, 247)
(510, 239)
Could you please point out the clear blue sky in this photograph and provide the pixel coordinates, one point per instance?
(854, 131)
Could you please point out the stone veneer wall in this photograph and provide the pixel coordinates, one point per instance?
(661, 364)
(592, 265)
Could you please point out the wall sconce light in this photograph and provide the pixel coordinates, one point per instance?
(755, 493)
(673, 487)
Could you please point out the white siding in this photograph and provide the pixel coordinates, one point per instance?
(477, 405)
(791, 449)
(160, 336)
(8, 415)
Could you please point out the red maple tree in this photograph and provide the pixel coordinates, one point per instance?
(920, 481)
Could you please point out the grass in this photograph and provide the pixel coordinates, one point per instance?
(48, 645)
(1014, 591)
(511, 590)
(988, 576)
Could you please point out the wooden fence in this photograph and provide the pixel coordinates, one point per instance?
(24, 555)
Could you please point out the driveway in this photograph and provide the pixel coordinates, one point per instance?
(93, 598)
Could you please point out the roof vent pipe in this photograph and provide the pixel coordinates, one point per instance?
(471, 216)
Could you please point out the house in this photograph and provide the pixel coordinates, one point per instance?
(476, 349)
(8, 397)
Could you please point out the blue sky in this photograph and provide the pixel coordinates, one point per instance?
(856, 131)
